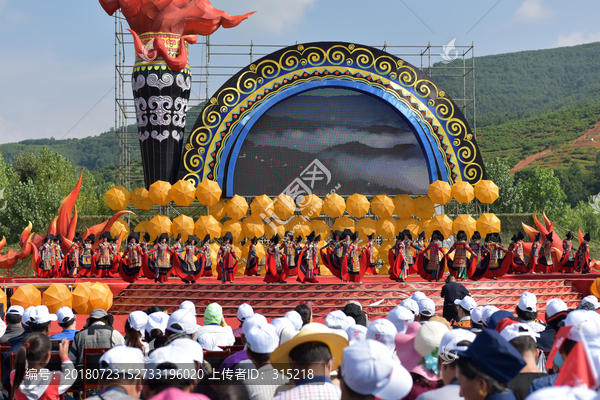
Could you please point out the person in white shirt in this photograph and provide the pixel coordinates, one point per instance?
(215, 324)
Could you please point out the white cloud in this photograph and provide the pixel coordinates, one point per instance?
(577, 37)
(532, 11)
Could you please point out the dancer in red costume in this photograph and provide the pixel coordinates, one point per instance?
(227, 260)
(462, 267)
(516, 254)
(480, 252)
(160, 267)
(431, 262)
(288, 249)
(534, 254)
(252, 261)
(353, 268)
(298, 248)
(104, 257)
(546, 260)
(582, 257)
(567, 261)
(73, 258)
(368, 253)
(186, 264)
(87, 262)
(205, 252)
(398, 268)
(307, 260)
(133, 257)
(315, 246)
(275, 262)
(332, 254)
(497, 266)
(48, 266)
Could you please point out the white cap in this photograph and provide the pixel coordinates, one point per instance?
(563, 393)
(138, 320)
(554, 306)
(41, 315)
(418, 296)
(356, 333)
(337, 320)
(427, 307)
(401, 317)
(281, 323)
(26, 313)
(64, 314)
(383, 331)
(351, 320)
(208, 341)
(449, 344)
(170, 354)
(368, 369)
(514, 331)
(585, 323)
(244, 311)
(188, 305)
(287, 334)
(528, 302)
(476, 314)
(429, 337)
(468, 303)
(296, 319)
(254, 319)
(190, 346)
(121, 359)
(15, 310)
(411, 304)
(592, 300)
(262, 339)
(157, 320)
(186, 319)
(487, 313)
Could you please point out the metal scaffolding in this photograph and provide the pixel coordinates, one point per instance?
(212, 64)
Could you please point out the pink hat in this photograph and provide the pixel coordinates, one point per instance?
(409, 357)
(178, 394)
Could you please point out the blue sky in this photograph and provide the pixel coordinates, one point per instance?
(57, 57)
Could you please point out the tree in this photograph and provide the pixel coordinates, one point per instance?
(511, 193)
(542, 192)
(574, 183)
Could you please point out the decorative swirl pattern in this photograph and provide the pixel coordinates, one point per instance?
(442, 120)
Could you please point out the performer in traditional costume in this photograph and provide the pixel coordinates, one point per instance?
(408, 252)
(354, 268)
(72, 260)
(61, 261)
(398, 267)
(497, 266)
(252, 260)
(567, 260)
(534, 254)
(162, 263)
(420, 245)
(315, 246)
(431, 261)
(332, 254)
(275, 263)
(480, 251)
(307, 259)
(462, 266)
(177, 246)
(298, 248)
(87, 262)
(47, 267)
(116, 257)
(545, 262)
(104, 261)
(288, 250)
(186, 264)
(227, 260)
(582, 258)
(206, 254)
(368, 252)
(133, 256)
(145, 242)
(515, 254)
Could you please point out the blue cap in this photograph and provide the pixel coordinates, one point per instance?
(497, 317)
(495, 356)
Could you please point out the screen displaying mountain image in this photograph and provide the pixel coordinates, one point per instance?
(361, 144)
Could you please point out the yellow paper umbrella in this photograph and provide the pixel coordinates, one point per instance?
(183, 225)
(235, 227)
(214, 250)
(262, 207)
(464, 223)
(57, 296)
(274, 227)
(81, 297)
(283, 207)
(334, 205)
(402, 223)
(120, 226)
(158, 225)
(424, 207)
(207, 225)
(486, 192)
(236, 207)
(357, 205)
(101, 297)
(300, 226)
(141, 227)
(208, 192)
(183, 193)
(441, 223)
(26, 296)
(117, 198)
(344, 223)
(425, 227)
(311, 206)
(386, 228)
(463, 192)
(488, 223)
(140, 198)
(259, 248)
(253, 226)
(382, 206)
(384, 251)
(217, 210)
(414, 227)
(404, 206)
(159, 193)
(440, 192)
(365, 227)
(320, 228)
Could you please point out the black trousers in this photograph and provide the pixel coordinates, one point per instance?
(450, 313)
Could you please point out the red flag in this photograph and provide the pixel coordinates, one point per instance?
(561, 335)
(577, 370)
